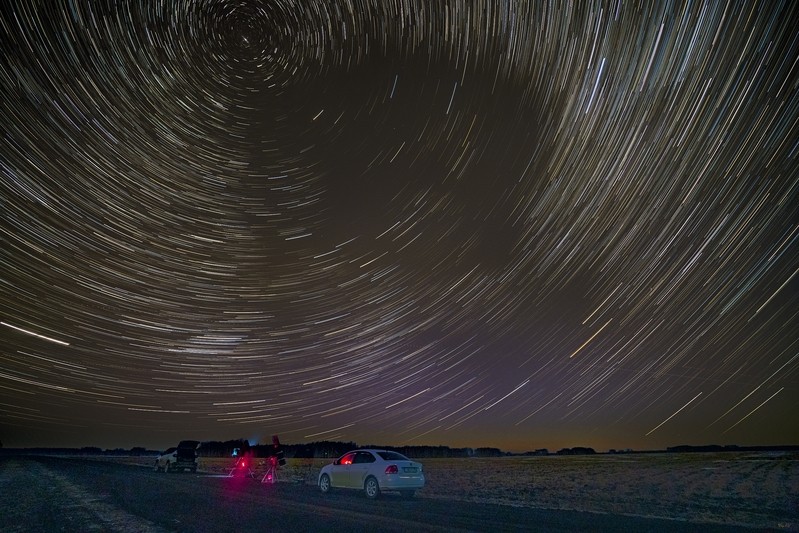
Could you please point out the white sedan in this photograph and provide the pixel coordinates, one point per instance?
(373, 471)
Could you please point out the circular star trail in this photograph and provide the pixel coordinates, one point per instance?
(484, 223)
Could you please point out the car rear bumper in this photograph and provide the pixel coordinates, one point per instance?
(399, 482)
(183, 465)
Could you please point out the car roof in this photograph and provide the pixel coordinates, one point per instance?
(373, 450)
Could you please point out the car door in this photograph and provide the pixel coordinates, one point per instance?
(361, 467)
(340, 472)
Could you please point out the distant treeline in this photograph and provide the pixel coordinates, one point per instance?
(322, 449)
(86, 450)
(332, 449)
(311, 450)
(576, 451)
(731, 448)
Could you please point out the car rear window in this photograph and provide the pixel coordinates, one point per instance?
(392, 456)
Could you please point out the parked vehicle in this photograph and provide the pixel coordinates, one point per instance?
(180, 458)
(373, 471)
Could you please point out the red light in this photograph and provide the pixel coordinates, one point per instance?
(392, 469)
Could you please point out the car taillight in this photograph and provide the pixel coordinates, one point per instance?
(392, 469)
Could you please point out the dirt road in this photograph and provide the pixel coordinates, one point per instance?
(39, 494)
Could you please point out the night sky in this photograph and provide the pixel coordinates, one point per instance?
(467, 223)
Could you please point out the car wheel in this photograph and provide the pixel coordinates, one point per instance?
(407, 494)
(324, 483)
(371, 488)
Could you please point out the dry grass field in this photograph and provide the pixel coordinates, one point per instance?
(759, 490)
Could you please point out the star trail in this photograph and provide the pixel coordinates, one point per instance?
(483, 223)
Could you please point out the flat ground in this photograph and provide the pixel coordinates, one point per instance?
(46, 494)
(756, 490)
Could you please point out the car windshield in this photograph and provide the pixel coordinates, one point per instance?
(392, 456)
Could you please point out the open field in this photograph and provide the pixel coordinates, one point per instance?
(759, 490)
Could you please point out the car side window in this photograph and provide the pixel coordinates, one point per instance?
(347, 459)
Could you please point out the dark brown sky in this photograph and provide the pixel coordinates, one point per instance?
(385, 222)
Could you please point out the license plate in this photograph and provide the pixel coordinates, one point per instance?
(410, 469)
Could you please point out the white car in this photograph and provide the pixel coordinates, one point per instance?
(373, 471)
